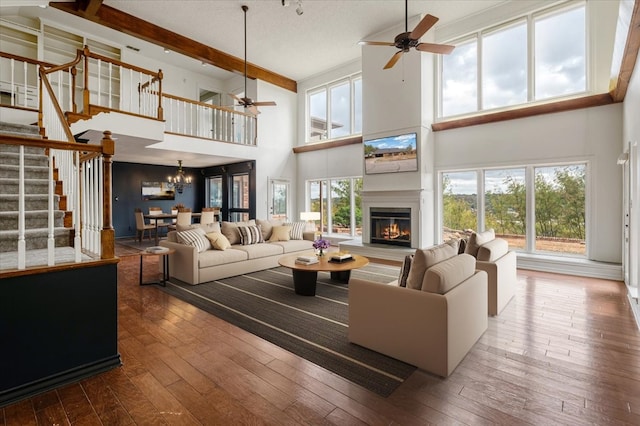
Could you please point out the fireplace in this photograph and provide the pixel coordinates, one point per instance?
(391, 225)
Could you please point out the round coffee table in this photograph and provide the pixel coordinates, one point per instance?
(305, 277)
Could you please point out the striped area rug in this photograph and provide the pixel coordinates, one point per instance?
(315, 328)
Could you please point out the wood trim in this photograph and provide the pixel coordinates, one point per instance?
(49, 143)
(90, 7)
(25, 59)
(10, 273)
(136, 27)
(319, 146)
(550, 108)
(629, 57)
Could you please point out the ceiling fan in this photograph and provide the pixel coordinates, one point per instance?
(406, 40)
(247, 102)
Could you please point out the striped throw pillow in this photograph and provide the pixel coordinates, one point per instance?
(250, 235)
(194, 237)
(297, 229)
(404, 271)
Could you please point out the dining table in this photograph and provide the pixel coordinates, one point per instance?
(156, 217)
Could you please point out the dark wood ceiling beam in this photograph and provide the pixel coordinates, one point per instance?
(139, 28)
(89, 7)
(629, 57)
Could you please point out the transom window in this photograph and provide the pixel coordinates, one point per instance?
(532, 58)
(335, 110)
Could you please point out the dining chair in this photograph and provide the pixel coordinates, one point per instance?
(141, 226)
(208, 215)
(183, 219)
(161, 224)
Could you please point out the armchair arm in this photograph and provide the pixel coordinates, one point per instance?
(183, 264)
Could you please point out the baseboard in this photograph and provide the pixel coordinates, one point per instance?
(571, 266)
(28, 390)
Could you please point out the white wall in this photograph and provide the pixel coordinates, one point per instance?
(590, 135)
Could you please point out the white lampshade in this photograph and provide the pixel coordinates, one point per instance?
(309, 215)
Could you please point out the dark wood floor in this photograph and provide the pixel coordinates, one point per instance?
(565, 351)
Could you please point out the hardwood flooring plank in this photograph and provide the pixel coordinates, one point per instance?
(20, 413)
(105, 403)
(75, 402)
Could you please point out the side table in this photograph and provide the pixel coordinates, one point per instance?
(164, 253)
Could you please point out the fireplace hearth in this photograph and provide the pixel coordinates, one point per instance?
(391, 225)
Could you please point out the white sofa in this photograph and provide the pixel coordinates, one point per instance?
(432, 327)
(494, 257)
(192, 266)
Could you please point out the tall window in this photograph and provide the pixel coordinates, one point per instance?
(490, 69)
(214, 188)
(341, 204)
(239, 210)
(557, 194)
(335, 110)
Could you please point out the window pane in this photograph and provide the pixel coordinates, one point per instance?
(357, 105)
(318, 191)
(357, 191)
(318, 116)
(340, 110)
(560, 51)
(215, 191)
(459, 203)
(459, 80)
(341, 206)
(505, 205)
(504, 67)
(560, 209)
(240, 192)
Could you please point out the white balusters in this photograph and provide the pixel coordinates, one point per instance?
(22, 244)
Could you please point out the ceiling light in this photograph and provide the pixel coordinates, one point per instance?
(180, 180)
(286, 3)
(167, 50)
(204, 64)
(299, 10)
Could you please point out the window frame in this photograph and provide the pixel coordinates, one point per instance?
(326, 183)
(326, 88)
(530, 19)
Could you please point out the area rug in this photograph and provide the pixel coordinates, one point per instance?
(315, 328)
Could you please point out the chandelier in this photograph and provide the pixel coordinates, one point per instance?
(180, 180)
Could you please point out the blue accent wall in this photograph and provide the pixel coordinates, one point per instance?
(127, 193)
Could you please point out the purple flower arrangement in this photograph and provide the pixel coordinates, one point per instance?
(321, 244)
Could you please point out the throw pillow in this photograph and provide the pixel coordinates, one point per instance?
(297, 229)
(404, 270)
(462, 245)
(267, 226)
(250, 235)
(218, 241)
(230, 230)
(280, 233)
(426, 258)
(477, 239)
(195, 238)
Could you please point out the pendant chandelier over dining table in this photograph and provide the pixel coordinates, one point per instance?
(180, 180)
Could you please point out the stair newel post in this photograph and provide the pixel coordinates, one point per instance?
(160, 110)
(74, 73)
(108, 233)
(85, 91)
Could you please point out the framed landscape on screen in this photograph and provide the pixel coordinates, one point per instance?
(391, 154)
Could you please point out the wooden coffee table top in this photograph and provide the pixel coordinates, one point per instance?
(324, 264)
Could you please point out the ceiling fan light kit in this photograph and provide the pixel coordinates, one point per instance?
(246, 101)
(411, 39)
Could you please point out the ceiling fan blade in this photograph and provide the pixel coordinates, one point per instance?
(393, 59)
(423, 26)
(375, 43)
(265, 103)
(236, 98)
(444, 49)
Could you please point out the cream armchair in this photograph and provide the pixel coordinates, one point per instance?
(432, 328)
(493, 256)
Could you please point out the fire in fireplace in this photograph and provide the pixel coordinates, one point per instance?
(391, 226)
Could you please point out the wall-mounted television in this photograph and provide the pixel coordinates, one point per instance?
(391, 154)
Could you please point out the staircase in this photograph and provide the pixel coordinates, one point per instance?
(36, 195)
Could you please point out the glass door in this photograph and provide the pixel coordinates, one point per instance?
(279, 204)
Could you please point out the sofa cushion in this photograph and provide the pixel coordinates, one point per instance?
(218, 240)
(447, 274)
(195, 238)
(493, 250)
(210, 227)
(293, 245)
(256, 251)
(250, 235)
(477, 239)
(297, 229)
(230, 230)
(267, 226)
(220, 257)
(280, 233)
(425, 258)
(404, 270)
